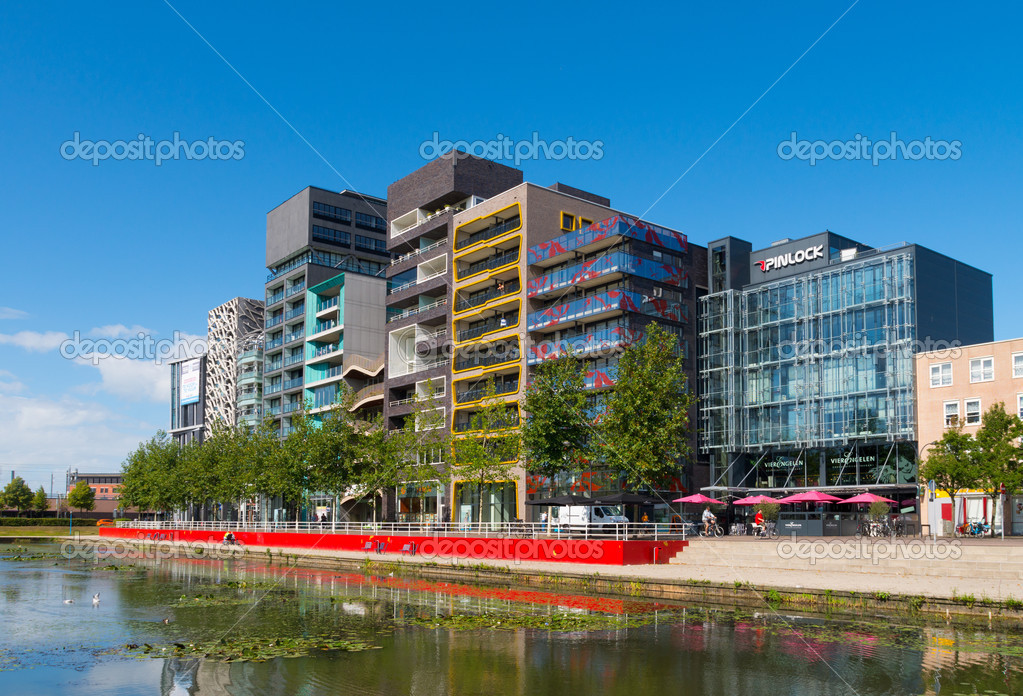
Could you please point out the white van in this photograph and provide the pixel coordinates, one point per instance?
(595, 518)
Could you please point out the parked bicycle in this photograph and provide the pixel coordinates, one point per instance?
(974, 529)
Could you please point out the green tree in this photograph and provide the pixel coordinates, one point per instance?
(82, 497)
(17, 495)
(645, 430)
(152, 476)
(556, 430)
(770, 510)
(489, 453)
(40, 503)
(999, 451)
(335, 447)
(291, 472)
(952, 463)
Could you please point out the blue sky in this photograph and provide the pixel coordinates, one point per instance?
(128, 246)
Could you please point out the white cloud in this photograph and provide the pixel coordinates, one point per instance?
(35, 340)
(9, 383)
(11, 313)
(50, 435)
(132, 380)
(119, 331)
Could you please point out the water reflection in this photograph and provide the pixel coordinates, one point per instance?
(48, 646)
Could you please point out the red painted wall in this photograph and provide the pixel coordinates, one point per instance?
(593, 551)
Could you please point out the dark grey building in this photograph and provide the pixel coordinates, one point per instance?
(313, 240)
(188, 400)
(806, 358)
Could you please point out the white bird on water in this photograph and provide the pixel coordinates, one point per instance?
(95, 600)
(69, 601)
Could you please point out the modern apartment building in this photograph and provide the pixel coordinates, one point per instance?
(231, 329)
(806, 359)
(188, 400)
(492, 275)
(327, 255)
(955, 386)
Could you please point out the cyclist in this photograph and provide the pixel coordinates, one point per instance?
(708, 520)
(758, 523)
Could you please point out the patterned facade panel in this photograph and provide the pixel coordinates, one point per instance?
(599, 379)
(230, 327)
(618, 262)
(624, 300)
(615, 226)
(607, 339)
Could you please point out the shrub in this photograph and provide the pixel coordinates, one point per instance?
(44, 522)
(770, 511)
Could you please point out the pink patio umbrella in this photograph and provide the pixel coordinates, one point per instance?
(811, 497)
(697, 498)
(756, 500)
(868, 498)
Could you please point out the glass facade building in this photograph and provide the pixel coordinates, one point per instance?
(806, 358)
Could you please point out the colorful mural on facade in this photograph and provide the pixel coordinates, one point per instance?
(617, 225)
(605, 340)
(617, 262)
(624, 300)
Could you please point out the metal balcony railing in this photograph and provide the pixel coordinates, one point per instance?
(488, 326)
(489, 233)
(327, 304)
(486, 360)
(417, 252)
(469, 426)
(475, 300)
(395, 315)
(479, 393)
(489, 264)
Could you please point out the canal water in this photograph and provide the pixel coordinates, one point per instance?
(201, 626)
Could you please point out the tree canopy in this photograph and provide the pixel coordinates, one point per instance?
(645, 429)
(17, 494)
(556, 434)
(82, 497)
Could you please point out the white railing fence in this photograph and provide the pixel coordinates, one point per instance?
(523, 530)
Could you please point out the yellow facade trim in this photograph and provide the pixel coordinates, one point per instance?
(481, 243)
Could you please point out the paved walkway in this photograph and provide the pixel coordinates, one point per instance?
(856, 576)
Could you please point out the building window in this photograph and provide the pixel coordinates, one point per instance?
(941, 375)
(951, 413)
(370, 222)
(982, 369)
(567, 222)
(973, 412)
(368, 244)
(1017, 364)
(325, 234)
(331, 212)
(1019, 405)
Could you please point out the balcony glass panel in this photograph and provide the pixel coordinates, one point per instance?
(618, 225)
